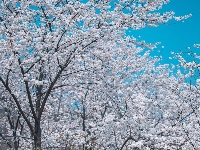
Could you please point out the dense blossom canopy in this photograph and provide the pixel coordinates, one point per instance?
(71, 78)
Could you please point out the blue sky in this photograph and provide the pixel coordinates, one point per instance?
(175, 36)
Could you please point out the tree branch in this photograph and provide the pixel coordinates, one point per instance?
(18, 105)
(28, 93)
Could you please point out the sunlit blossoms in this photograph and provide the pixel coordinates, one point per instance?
(70, 78)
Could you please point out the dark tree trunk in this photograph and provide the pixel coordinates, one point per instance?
(37, 136)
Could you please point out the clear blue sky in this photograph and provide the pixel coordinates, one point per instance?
(176, 36)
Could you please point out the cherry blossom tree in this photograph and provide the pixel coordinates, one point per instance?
(71, 78)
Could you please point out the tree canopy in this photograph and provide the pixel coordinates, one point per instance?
(70, 78)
